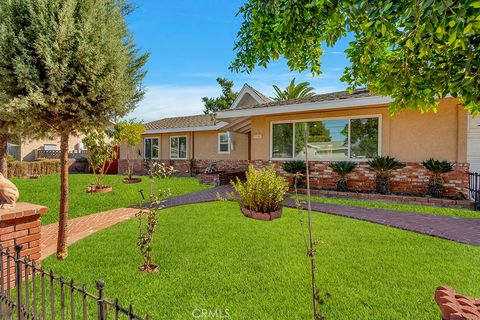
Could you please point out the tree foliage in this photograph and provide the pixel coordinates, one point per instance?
(413, 51)
(293, 91)
(101, 154)
(224, 101)
(67, 67)
(130, 134)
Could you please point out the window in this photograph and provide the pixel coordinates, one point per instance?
(151, 149)
(223, 143)
(178, 147)
(336, 139)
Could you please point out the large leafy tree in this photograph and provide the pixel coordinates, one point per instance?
(224, 101)
(293, 91)
(68, 66)
(413, 51)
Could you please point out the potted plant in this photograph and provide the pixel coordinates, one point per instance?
(437, 168)
(130, 134)
(100, 156)
(383, 167)
(343, 168)
(261, 195)
(297, 168)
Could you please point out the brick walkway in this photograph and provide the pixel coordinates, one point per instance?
(462, 230)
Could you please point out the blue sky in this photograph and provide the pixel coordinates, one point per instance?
(191, 44)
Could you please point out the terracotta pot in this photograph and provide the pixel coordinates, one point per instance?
(99, 190)
(133, 180)
(262, 216)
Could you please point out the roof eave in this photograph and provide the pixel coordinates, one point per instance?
(305, 107)
(218, 126)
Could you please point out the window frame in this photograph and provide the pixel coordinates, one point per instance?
(220, 143)
(348, 118)
(170, 147)
(145, 147)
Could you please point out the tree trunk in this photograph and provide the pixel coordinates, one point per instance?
(3, 155)
(63, 219)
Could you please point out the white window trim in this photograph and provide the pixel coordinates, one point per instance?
(170, 147)
(348, 118)
(145, 147)
(219, 143)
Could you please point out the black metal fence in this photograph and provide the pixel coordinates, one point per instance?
(474, 188)
(28, 292)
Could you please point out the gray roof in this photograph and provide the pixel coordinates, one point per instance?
(202, 120)
(340, 95)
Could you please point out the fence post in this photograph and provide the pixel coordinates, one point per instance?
(18, 279)
(101, 310)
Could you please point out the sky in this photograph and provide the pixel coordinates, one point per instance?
(191, 44)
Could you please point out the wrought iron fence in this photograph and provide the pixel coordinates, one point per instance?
(28, 292)
(474, 188)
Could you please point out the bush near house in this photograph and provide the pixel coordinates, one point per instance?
(263, 191)
(297, 168)
(343, 168)
(437, 168)
(383, 167)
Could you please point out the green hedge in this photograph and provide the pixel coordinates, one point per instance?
(22, 169)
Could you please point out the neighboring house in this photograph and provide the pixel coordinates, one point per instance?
(340, 126)
(31, 150)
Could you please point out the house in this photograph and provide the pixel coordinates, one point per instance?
(340, 126)
(31, 150)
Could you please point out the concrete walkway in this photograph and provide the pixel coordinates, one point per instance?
(462, 230)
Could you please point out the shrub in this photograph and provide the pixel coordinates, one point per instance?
(343, 168)
(10, 160)
(263, 191)
(100, 155)
(23, 169)
(437, 168)
(383, 166)
(297, 168)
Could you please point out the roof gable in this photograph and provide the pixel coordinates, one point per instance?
(248, 96)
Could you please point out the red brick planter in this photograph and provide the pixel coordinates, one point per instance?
(455, 306)
(262, 216)
(133, 180)
(99, 190)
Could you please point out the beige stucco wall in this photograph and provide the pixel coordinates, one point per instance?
(28, 147)
(204, 144)
(409, 135)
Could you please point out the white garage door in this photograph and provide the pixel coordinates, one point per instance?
(473, 148)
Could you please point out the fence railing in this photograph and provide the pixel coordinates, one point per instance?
(28, 292)
(474, 188)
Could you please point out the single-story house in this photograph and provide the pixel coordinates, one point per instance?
(31, 150)
(339, 126)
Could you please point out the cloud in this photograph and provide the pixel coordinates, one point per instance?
(336, 52)
(164, 101)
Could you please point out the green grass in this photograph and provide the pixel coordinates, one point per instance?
(212, 257)
(399, 207)
(46, 191)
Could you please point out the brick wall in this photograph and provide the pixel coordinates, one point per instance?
(412, 179)
(21, 225)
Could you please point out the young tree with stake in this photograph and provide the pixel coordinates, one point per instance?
(70, 66)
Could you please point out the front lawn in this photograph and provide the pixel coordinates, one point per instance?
(399, 207)
(46, 191)
(211, 257)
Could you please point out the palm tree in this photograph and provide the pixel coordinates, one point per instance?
(293, 91)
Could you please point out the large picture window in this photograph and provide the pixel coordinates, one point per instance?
(178, 147)
(151, 149)
(336, 139)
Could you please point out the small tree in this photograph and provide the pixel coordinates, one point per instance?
(130, 134)
(437, 168)
(69, 66)
(343, 168)
(150, 210)
(100, 156)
